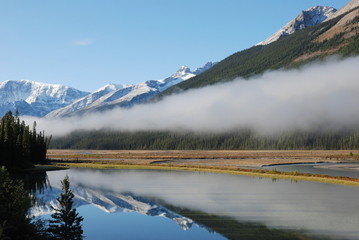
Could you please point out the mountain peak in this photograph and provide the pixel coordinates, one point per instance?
(307, 18)
(316, 15)
(35, 98)
(112, 95)
(184, 70)
(110, 87)
(205, 67)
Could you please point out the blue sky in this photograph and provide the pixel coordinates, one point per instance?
(88, 43)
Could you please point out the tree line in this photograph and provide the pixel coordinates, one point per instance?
(20, 146)
(234, 140)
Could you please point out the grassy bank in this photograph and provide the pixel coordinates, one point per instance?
(273, 174)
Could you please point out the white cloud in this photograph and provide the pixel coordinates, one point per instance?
(84, 42)
(322, 94)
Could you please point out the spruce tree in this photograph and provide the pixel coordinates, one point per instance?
(66, 222)
(19, 146)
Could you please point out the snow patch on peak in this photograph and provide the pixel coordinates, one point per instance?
(86, 101)
(183, 71)
(205, 67)
(54, 100)
(307, 18)
(35, 98)
(110, 87)
(112, 95)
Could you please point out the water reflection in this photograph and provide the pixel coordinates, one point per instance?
(234, 229)
(35, 181)
(339, 169)
(230, 205)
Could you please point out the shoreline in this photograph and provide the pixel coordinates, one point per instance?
(299, 163)
(247, 163)
(273, 174)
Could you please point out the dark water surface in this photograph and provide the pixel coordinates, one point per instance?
(152, 204)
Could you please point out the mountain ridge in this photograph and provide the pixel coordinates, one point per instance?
(347, 7)
(126, 95)
(331, 36)
(54, 100)
(306, 18)
(35, 98)
(287, 52)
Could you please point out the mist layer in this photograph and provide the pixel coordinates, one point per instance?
(324, 94)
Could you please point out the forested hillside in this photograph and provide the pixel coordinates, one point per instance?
(20, 146)
(236, 140)
(288, 52)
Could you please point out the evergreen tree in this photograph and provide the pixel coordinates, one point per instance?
(245, 139)
(19, 146)
(66, 223)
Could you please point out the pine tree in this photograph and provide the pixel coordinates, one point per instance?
(66, 223)
(19, 146)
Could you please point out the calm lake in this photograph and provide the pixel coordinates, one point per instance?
(152, 204)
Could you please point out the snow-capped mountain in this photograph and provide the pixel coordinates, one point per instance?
(111, 96)
(109, 202)
(86, 100)
(307, 18)
(34, 98)
(205, 67)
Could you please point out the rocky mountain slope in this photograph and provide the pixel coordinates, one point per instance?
(323, 31)
(111, 96)
(86, 101)
(42, 99)
(34, 98)
(307, 18)
(347, 26)
(348, 7)
(336, 36)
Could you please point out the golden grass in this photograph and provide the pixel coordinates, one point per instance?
(197, 154)
(218, 159)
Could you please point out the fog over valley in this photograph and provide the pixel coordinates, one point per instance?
(319, 94)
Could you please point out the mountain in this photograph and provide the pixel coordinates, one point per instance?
(86, 100)
(109, 202)
(34, 98)
(348, 7)
(314, 34)
(347, 26)
(338, 36)
(111, 96)
(307, 18)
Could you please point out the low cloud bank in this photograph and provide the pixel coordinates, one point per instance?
(324, 94)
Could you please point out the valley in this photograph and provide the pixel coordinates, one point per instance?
(260, 142)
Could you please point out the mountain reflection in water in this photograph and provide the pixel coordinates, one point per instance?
(109, 202)
(237, 207)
